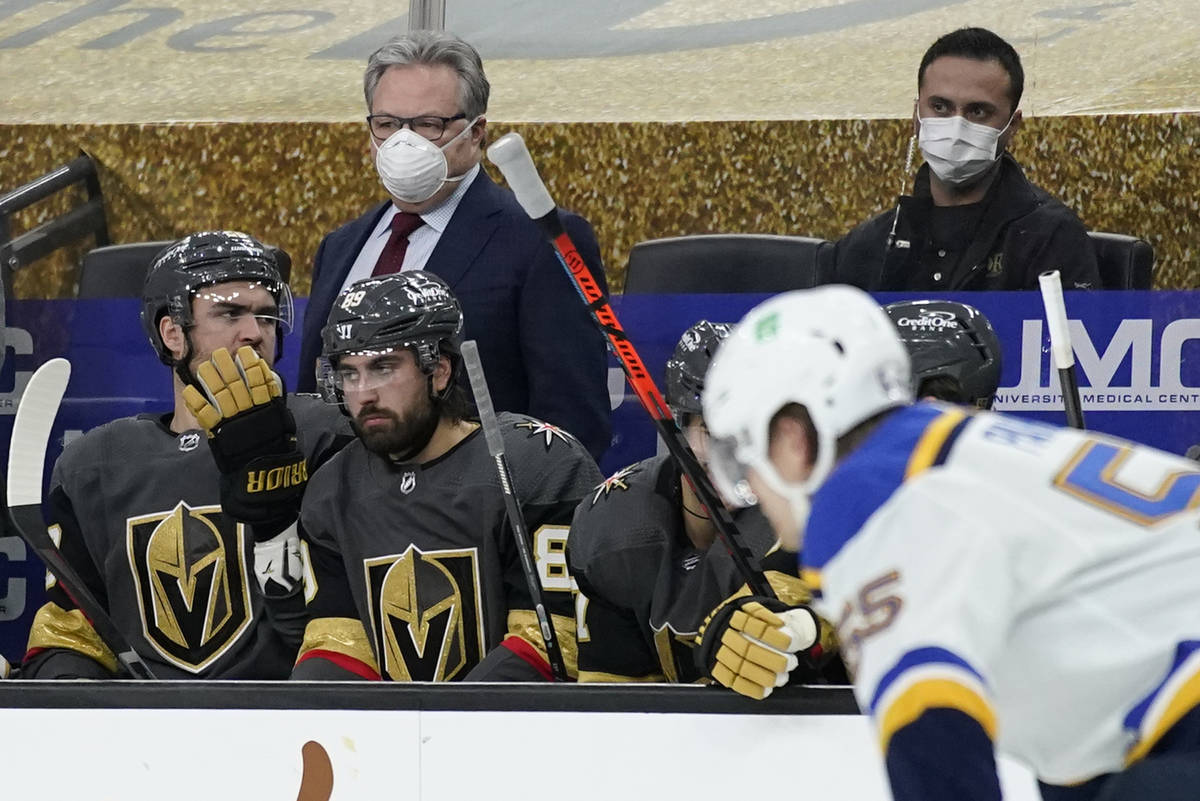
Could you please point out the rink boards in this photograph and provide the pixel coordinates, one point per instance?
(123, 742)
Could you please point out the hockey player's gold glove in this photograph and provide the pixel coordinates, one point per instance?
(240, 403)
(228, 386)
(749, 644)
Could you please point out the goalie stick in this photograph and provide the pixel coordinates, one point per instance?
(495, 444)
(1060, 345)
(512, 157)
(26, 458)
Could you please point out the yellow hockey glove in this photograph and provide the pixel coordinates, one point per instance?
(240, 403)
(749, 644)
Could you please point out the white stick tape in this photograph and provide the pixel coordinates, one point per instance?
(1056, 319)
(512, 157)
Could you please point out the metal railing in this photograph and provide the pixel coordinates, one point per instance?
(85, 219)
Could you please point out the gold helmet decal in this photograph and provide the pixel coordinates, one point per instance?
(193, 592)
(426, 618)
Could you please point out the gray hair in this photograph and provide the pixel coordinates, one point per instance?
(433, 48)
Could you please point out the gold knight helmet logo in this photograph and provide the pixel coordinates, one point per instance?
(189, 569)
(425, 614)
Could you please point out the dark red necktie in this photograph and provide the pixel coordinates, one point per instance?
(391, 260)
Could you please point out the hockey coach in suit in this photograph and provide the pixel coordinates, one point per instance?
(427, 94)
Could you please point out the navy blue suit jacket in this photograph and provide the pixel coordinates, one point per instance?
(541, 352)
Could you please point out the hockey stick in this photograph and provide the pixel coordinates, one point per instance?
(26, 457)
(1060, 345)
(511, 156)
(495, 443)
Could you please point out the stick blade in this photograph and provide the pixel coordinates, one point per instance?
(31, 431)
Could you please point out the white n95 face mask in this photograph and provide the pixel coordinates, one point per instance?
(959, 151)
(411, 167)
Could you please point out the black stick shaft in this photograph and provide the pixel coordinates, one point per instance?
(26, 457)
(512, 157)
(1062, 355)
(512, 507)
(28, 522)
(652, 401)
(1072, 402)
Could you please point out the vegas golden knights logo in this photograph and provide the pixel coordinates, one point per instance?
(426, 621)
(189, 568)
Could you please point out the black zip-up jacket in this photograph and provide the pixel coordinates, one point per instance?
(1022, 231)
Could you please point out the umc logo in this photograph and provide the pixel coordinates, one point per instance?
(1098, 364)
(16, 342)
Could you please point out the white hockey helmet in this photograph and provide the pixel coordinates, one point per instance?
(831, 349)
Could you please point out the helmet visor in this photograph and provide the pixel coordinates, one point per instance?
(380, 368)
(232, 303)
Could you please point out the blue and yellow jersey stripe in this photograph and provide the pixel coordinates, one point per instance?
(906, 444)
(925, 679)
(1176, 695)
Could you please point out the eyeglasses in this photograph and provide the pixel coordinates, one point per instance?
(430, 127)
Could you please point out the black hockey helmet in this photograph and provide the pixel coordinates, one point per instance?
(689, 363)
(411, 309)
(205, 259)
(950, 340)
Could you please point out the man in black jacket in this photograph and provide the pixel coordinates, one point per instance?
(973, 220)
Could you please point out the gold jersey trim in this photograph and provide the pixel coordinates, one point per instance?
(1185, 699)
(792, 590)
(523, 623)
(600, 677)
(934, 694)
(343, 635)
(932, 439)
(55, 627)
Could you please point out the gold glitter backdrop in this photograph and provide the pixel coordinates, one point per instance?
(290, 183)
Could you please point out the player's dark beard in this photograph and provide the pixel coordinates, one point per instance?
(404, 438)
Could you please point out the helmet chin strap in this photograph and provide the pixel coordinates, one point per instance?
(181, 366)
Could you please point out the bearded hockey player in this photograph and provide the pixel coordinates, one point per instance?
(136, 505)
(954, 350)
(642, 552)
(998, 584)
(417, 573)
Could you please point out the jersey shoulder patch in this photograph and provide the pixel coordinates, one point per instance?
(622, 487)
(521, 430)
(548, 464)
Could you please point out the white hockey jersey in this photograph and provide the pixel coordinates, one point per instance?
(1044, 581)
